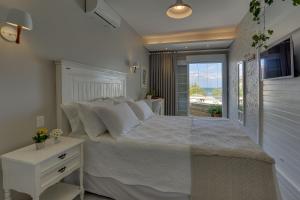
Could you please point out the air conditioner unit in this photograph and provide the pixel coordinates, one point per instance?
(102, 10)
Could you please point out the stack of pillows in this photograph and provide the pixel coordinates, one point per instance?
(117, 115)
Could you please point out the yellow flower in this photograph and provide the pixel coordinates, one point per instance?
(42, 131)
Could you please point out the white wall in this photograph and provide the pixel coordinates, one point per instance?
(281, 110)
(27, 73)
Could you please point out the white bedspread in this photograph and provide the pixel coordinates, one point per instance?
(158, 152)
(154, 154)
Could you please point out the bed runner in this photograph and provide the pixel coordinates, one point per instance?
(241, 172)
(221, 137)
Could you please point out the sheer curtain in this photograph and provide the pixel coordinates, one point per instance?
(162, 78)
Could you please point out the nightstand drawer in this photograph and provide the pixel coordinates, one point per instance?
(60, 158)
(55, 174)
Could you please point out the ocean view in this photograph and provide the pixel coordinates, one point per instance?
(209, 91)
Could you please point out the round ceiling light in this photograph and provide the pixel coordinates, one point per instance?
(179, 10)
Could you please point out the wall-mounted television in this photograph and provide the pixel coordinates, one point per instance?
(278, 60)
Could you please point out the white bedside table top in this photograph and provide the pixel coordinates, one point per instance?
(32, 156)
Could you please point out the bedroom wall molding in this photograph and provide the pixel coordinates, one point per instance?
(80, 82)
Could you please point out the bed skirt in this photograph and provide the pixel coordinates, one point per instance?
(114, 189)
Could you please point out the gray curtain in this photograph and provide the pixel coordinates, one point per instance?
(162, 79)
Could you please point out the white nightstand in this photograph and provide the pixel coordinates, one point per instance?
(38, 173)
(157, 105)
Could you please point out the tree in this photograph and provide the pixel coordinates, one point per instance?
(195, 90)
(217, 92)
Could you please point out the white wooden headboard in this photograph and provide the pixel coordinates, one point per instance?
(79, 82)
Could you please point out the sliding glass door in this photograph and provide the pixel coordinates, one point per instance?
(201, 85)
(206, 89)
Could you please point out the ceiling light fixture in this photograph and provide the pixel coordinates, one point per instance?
(179, 10)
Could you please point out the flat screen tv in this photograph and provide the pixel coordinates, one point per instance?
(278, 61)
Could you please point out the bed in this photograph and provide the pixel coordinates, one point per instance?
(165, 157)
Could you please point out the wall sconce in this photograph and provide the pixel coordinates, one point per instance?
(19, 19)
(133, 68)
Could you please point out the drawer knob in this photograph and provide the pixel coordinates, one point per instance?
(62, 156)
(62, 170)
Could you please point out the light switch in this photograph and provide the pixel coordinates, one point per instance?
(40, 121)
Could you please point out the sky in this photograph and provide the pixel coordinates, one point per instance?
(208, 75)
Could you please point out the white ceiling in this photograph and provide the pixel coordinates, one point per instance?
(148, 17)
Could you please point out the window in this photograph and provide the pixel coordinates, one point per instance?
(241, 92)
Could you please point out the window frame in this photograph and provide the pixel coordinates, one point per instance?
(241, 113)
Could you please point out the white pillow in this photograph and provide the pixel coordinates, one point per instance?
(119, 119)
(106, 100)
(141, 109)
(92, 124)
(121, 99)
(71, 111)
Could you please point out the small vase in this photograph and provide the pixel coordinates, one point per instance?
(56, 140)
(149, 97)
(40, 145)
